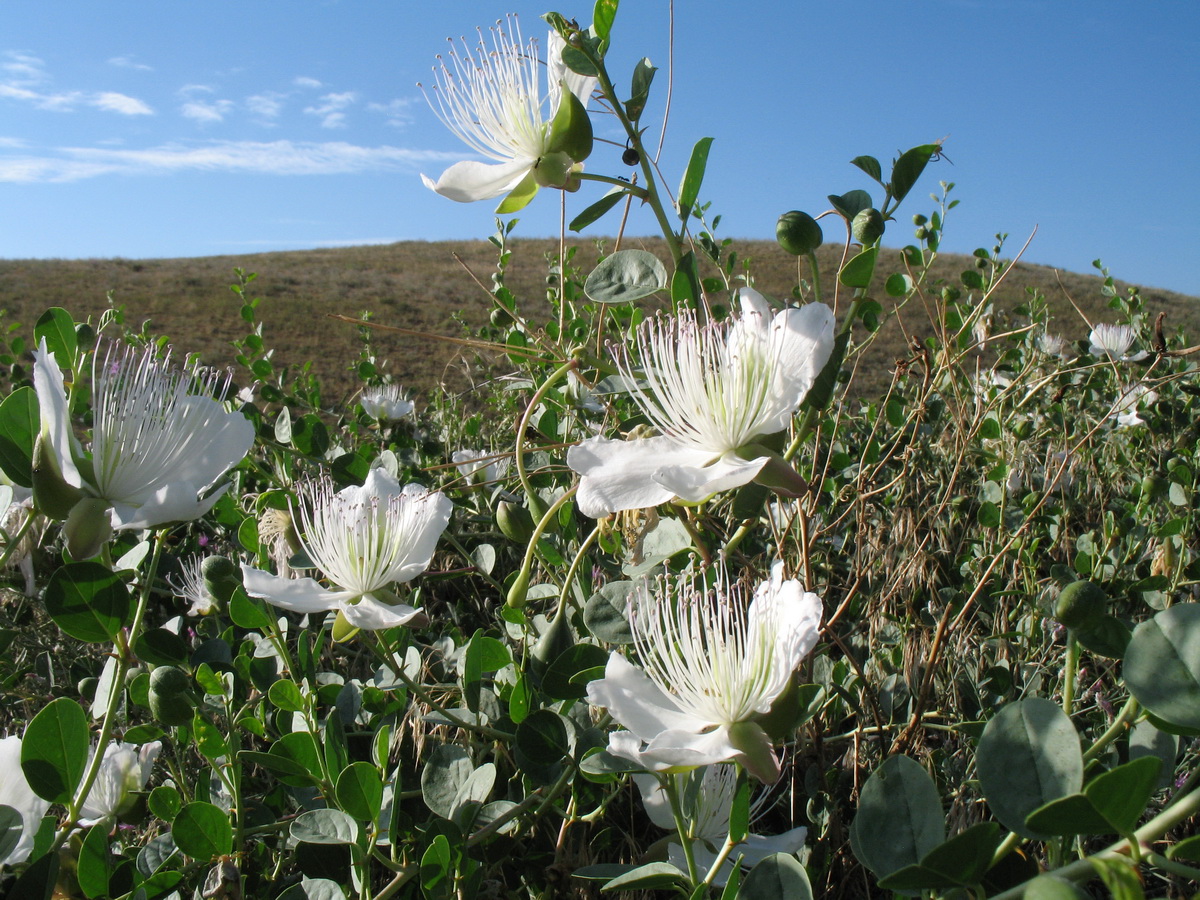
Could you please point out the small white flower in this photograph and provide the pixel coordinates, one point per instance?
(492, 98)
(711, 391)
(479, 465)
(364, 540)
(706, 796)
(1127, 405)
(124, 770)
(386, 402)
(157, 446)
(16, 793)
(1114, 342)
(191, 587)
(1051, 344)
(712, 660)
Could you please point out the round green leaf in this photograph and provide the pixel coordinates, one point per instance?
(314, 889)
(360, 791)
(54, 751)
(95, 864)
(542, 737)
(899, 817)
(87, 601)
(203, 831)
(164, 802)
(325, 826)
(19, 425)
(777, 877)
(1028, 755)
(626, 276)
(604, 613)
(1162, 665)
(11, 827)
(446, 770)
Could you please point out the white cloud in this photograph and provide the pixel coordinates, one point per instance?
(305, 82)
(205, 110)
(189, 90)
(396, 112)
(267, 106)
(120, 103)
(330, 109)
(268, 158)
(127, 62)
(23, 68)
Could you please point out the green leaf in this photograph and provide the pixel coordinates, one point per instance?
(870, 165)
(559, 680)
(1162, 665)
(898, 285)
(296, 753)
(822, 390)
(95, 866)
(988, 515)
(58, 328)
(473, 793)
(1067, 816)
(54, 750)
(1187, 849)
(483, 654)
(203, 831)
(436, 867)
(285, 695)
(11, 828)
(577, 62)
(597, 209)
(1120, 876)
(603, 14)
(359, 791)
(164, 802)
(966, 857)
(1028, 755)
(739, 812)
(685, 282)
(646, 878)
(310, 436)
(693, 176)
(851, 203)
(777, 877)
(908, 168)
(314, 889)
(899, 817)
(542, 737)
(604, 613)
(161, 647)
(87, 601)
(1121, 794)
(20, 422)
(643, 75)
(446, 770)
(1146, 740)
(324, 826)
(858, 271)
(1049, 886)
(210, 741)
(626, 276)
(249, 613)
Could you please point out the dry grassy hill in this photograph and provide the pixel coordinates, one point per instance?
(434, 288)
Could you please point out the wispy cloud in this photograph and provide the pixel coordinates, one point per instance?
(268, 158)
(22, 76)
(331, 109)
(395, 112)
(267, 105)
(305, 82)
(206, 110)
(128, 62)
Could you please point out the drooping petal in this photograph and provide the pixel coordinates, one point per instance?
(472, 180)
(15, 792)
(56, 418)
(172, 502)
(302, 595)
(637, 702)
(696, 483)
(372, 615)
(619, 475)
(679, 748)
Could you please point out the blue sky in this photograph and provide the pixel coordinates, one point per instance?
(140, 128)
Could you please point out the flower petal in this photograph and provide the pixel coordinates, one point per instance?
(804, 342)
(472, 180)
(695, 483)
(301, 595)
(619, 475)
(429, 516)
(173, 502)
(56, 418)
(637, 702)
(372, 615)
(679, 748)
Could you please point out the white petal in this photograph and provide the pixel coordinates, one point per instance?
(619, 475)
(695, 483)
(795, 617)
(471, 180)
(372, 615)
(655, 801)
(173, 502)
(224, 443)
(301, 595)
(56, 418)
(430, 515)
(759, 846)
(804, 341)
(15, 792)
(556, 70)
(680, 748)
(637, 702)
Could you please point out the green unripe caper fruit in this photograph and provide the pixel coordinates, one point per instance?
(170, 695)
(867, 226)
(798, 233)
(1080, 604)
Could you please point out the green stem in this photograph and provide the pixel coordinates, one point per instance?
(1115, 730)
(522, 474)
(520, 585)
(629, 188)
(1070, 670)
(575, 564)
(15, 540)
(670, 786)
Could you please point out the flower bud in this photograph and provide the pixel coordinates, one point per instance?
(514, 521)
(1080, 604)
(171, 695)
(798, 233)
(221, 577)
(867, 226)
(556, 640)
(88, 528)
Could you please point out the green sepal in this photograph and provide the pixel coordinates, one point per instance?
(52, 495)
(755, 752)
(87, 528)
(342, 629)
(571, 129)
(518, 198)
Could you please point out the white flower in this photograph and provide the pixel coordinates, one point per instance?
(492, 99)
(706, 797)
(16, 793)
(711, 391)
(157, 445)
(1051, 344)
(711, 663)
(1114, 342)
(386, 402)
(480, 464)
(1126, 407)
(124, 770)
(191, 587)
(363, 539)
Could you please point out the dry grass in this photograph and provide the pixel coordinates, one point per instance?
(429, 287)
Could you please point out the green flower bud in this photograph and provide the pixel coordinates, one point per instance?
(88, 528)
(221, 577)
(514, 521)
(171, 696)
(1080, 604)
(867, 226)
(556, 640)
(798, 233)
(919, 219)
